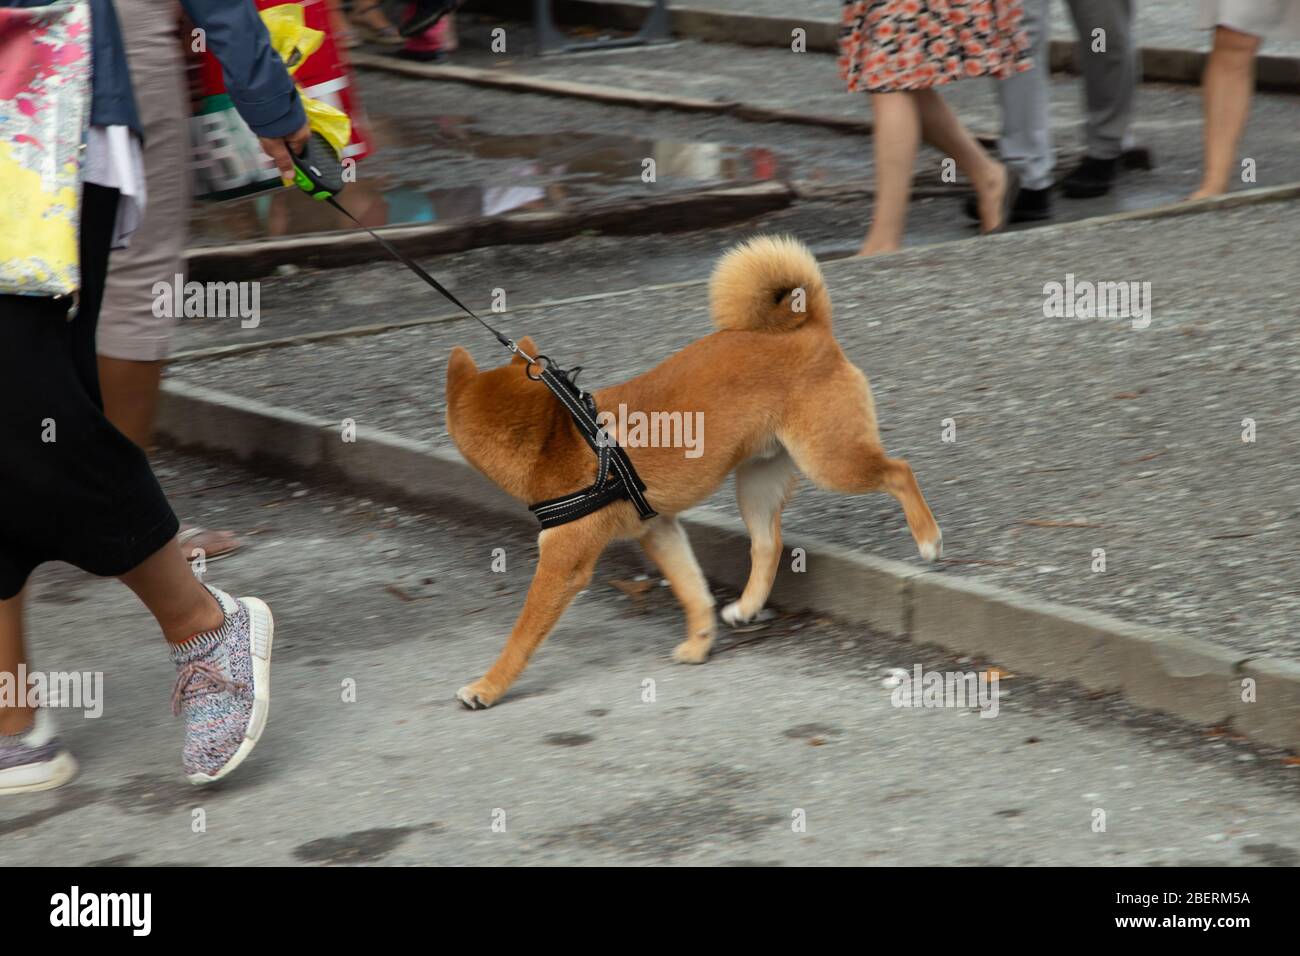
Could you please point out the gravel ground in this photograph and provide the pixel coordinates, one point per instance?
(315, 300)
(790, 716)
(1160, 23)
(1135, 432)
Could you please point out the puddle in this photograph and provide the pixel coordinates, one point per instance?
(455, 171)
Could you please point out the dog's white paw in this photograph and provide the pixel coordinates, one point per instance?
(475, 696)
(932, 550)
(733, 615)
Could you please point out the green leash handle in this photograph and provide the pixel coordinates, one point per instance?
(318, 172)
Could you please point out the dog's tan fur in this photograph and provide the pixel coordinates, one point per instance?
(779, 398)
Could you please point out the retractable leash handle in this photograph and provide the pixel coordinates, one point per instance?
(318, 172)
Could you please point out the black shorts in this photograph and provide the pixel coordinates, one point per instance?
(72, 487)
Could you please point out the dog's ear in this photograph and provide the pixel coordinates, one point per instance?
(460, 369)
(526, 344)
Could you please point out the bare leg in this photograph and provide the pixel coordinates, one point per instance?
(666, 542)
(1226, 90)
(762, 487)
(567, 560)
(130, 391)
(894, 141)
(164, 582)
(13, 720)
(181, 605)
(945, 132)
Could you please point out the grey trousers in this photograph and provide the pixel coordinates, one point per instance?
(1109, 80)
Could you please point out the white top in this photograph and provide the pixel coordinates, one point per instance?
(114, 159)
(1270, 19)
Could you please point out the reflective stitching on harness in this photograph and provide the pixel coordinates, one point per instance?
(606, 488)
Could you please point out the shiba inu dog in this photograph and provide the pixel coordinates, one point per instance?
(779, 399)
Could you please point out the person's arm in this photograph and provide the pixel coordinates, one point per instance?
(256, 78)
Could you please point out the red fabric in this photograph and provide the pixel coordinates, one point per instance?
(892, 45)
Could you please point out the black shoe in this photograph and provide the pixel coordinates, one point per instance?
(425, 15)
(1091, 178)
(1031, 205)
(422, 56)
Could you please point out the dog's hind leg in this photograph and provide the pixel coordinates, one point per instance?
(763, 486)
(856, 464)
(567, 560)
(666, 542)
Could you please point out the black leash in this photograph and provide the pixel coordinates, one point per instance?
(615, 476)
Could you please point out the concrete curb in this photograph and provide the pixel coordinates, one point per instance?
(1159, 64)
(613, 95)
(1157, 669)
(680, 210)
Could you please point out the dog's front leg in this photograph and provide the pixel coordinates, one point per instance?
(565, 565)
(666, 542)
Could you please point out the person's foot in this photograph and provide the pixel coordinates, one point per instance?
(34, 760)
(873, 247)
(1091, 178)
(223, 687)
(422, 56)
(424, 14)
(214, 544)
(1031, 205)
(374, 27)
(995, 200)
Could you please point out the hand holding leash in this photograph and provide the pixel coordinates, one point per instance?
(282, 148)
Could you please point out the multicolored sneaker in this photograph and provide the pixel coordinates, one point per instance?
(223, 687)
(34, 760)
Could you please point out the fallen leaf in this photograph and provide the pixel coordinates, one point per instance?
(632, 588)
(397, 592)
(1154, 454)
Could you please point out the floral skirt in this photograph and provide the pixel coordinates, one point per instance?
(892, 45)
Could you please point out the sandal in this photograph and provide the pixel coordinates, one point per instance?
(213, 544)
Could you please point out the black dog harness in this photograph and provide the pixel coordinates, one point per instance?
(615, 476)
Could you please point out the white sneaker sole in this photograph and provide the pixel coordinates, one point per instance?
(53, 773)
(262, 628)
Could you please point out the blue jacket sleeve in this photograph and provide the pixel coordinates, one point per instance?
(256, 78)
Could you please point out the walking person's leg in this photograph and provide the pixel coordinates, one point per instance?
(31, 757)
(895, 137)
(1226, 92)
(16, 715)
(943, 130)
(1026, 98)
(87, 496)
(134, 343)
(1111, 71)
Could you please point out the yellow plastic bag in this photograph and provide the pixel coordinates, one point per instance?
(295, 41)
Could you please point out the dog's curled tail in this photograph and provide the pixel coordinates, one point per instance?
(768, 284)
